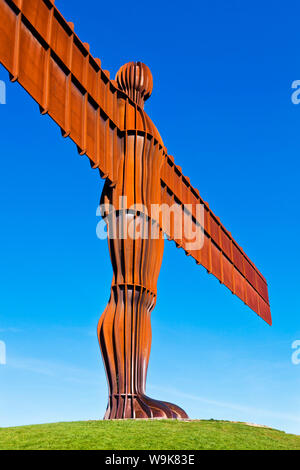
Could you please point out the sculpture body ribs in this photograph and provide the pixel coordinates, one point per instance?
(106, 120)
(124, 330)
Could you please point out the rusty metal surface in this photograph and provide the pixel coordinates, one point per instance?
(124, 329)
(220, 254)
(106, 120)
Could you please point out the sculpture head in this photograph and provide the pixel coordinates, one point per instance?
(136, 80)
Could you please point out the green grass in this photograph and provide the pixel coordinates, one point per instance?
(148, 435)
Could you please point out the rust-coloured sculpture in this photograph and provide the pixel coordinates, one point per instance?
(106, 120)
(124, 329)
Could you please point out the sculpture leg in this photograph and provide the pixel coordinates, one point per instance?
(124, 329)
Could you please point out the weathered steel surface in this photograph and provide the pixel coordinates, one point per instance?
(124, 329)
(106, 120)
(220, 254)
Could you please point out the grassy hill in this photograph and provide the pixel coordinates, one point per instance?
(148, 435)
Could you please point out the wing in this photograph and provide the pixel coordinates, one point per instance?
(41, 51)
(220, 254)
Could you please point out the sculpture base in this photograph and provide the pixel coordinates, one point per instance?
(139, 406)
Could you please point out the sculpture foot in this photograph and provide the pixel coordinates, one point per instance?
(140, 406)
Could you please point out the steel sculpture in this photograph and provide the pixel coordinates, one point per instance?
(107, 121)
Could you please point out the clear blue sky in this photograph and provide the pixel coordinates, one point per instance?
(229, 67)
